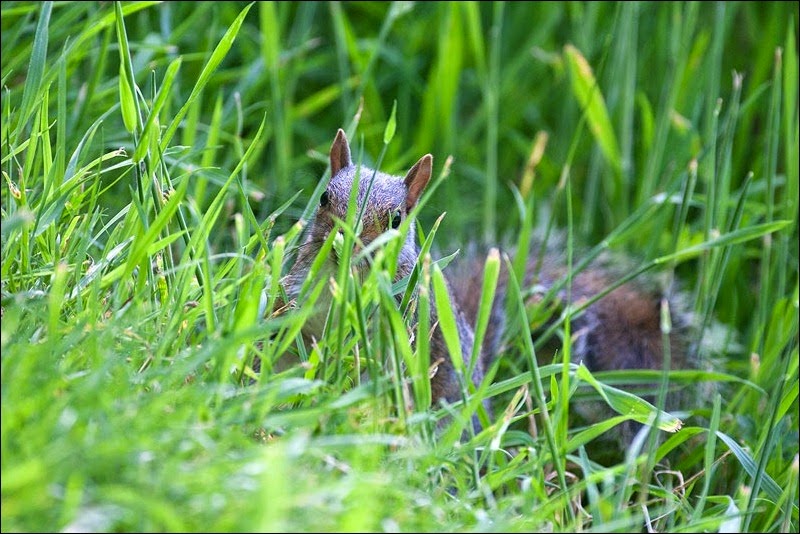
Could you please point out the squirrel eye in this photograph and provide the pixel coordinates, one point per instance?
(324, 200)
(396, 219)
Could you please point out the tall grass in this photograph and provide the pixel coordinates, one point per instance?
(157, 158)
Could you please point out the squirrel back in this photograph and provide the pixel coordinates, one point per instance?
(621, 330)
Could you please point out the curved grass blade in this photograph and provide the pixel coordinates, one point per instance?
(587, 91)
(216, 58)
(33, 82)
(629, 404)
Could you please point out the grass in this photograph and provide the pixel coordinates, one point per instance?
(157, 157)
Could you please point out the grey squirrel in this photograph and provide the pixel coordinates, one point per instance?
(619, 331)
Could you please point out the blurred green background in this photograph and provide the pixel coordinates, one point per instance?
(476, 81)
(456, 70)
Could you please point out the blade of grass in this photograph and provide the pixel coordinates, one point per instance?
(587, 91)
(209, 68)
(536, 380)
(33, 81)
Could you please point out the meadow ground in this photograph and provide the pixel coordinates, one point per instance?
(155, 160)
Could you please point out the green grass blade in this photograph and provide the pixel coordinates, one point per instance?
(587, 92)
(163, 93)
(128, 89)
(491, 273)
(36, 67)
(630, 405)
(145, 241)
(769, 485)
(731, 238)
(216, 58)
(447, 320)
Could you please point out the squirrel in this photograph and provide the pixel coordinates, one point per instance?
(619, 331)
(390, 202)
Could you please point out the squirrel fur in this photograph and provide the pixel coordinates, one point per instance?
(619, 331)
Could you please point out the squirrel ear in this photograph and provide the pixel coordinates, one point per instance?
(416, 180)
(340, 153)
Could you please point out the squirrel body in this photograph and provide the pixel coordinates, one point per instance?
(619, 331)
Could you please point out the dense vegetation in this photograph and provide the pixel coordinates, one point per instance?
(155, 160)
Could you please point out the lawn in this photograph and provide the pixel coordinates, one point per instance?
(160, 162)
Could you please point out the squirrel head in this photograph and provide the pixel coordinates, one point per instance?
(390, 200)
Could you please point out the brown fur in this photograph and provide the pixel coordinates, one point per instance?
(622, 330)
